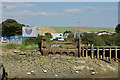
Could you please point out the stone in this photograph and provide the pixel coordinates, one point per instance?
(56, 75)
(45, 71)
(93, 72)
(76, 71)
(32, 71)
(28, 73)
(80, 61)
(79, 67)
(91, 68)
(111, 68)
(16, 51)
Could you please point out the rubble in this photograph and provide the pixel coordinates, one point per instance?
(54, 66)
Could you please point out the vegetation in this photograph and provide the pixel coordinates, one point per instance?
(92, 38)
(67, 32)
(11, 27)
(117, 29)
(21, 46)
(108, 39)
(82, 29)
(48, 35)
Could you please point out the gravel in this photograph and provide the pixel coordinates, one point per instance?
(30, 64)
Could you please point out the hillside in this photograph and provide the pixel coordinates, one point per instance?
(42, 30)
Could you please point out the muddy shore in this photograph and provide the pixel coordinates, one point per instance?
(31, 64)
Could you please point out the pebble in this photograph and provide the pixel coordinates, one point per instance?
(76, 71)
(45, 71)
(54, 64)
(32, 71)
(80, 61)
(93, 73)
(28, 72)
(56, 75)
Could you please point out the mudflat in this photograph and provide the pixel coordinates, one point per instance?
(31, 64)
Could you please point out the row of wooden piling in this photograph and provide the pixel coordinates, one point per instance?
(98, 56)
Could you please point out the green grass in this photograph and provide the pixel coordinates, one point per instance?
(63, 29)
(21, 46)
(83, 29)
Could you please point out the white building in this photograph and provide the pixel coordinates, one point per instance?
(58, 36)
(105, 32)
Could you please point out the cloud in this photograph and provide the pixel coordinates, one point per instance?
(47, 13)
(17, 5)
(97, 11)
(30, 13)
(10, 0)
(74, 10)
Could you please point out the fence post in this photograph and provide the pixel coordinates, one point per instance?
(83, 51)
(110, 53)
(86, 51)
(115, 53)
(97, 52)
(104, 53)
(92, 51)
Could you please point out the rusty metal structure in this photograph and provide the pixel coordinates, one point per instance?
(93, 52)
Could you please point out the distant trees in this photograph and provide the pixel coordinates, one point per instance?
(92, 38)
(11, 27)
(108, 39)
(48, 35)
(117, 39)
(117, 29)
(117, 35)
(67, 32)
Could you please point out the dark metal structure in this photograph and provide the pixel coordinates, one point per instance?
(93, 52)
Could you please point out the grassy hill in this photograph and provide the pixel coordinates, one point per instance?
(82, 29)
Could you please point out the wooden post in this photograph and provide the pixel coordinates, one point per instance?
(103, 53)
(83, 51)
(110, 53)
(116, 53)
(100, 56)
(97, 52)
(92, 51)
(24, 40)
(79, 47)
(86, 51)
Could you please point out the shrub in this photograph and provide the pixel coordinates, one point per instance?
(22, 46)
(11, 46)
(61, 46)
(68, 47)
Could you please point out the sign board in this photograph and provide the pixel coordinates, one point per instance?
(29, 32)
(16, 36)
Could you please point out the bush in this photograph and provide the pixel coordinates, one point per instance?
(11, 46)
(61, 46)
(31, 41)
(22, 46)
(92, 38)
(68, 47)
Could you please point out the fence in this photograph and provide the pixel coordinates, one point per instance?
(14, 41)
(17, 39)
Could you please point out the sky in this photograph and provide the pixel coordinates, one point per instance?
(60, 0)
(62, 14)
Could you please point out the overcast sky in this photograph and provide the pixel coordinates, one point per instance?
(89, 14)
